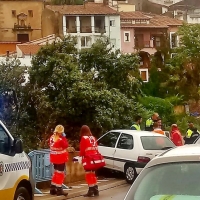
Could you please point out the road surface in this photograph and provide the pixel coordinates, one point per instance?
(116, 193)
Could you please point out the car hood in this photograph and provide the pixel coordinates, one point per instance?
(175, 197)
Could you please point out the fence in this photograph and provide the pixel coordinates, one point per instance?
(42, 169)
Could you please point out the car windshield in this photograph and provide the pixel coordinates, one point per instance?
(197, 141)
(177, 181)
(156, 143)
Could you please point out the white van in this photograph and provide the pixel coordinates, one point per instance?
(16, 182)
(129, 151)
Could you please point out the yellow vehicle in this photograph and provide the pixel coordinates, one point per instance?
(16, 182)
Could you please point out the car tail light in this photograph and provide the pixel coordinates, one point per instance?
(143, 159)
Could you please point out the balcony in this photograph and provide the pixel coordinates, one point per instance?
(71, 29)
(22, 27)
(86, 29)
(71, 24)
(100, 29)
(143, 44)
(99, 24)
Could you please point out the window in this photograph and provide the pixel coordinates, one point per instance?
(156, 143)
(173, 40)
(4, 142)
(156, 41)
(13, 13)
(22, 37)
(112, 22)
(109, 140)
(144, 74)
(30, 13)
(125, 141)
(85, 41)
(127, 36)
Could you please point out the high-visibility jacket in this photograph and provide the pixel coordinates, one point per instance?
(135, 127)
(191, 135)
(149, 125)
(58, 150)
(88, 146)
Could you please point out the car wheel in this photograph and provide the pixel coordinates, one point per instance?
(22, 194)
(130, 173)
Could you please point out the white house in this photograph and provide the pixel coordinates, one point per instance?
(90, 22)
(165, 2)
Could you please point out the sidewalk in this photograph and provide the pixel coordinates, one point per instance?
(80, 188)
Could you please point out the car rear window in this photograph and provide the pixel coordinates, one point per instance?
(156, 143)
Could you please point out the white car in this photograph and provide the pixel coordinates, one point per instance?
(173, 175)
(129, 151)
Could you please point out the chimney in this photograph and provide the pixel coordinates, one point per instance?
(7, 54)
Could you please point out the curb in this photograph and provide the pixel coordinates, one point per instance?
(83, 191)
(101, 188)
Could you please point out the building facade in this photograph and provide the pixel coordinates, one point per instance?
(88, 22)
(146, 34)
(20, 20)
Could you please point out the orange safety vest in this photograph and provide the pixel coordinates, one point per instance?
(58, 150)
(159, 131)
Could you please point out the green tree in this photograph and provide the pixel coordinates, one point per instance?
(117, 70)
(184, 67)
(12, 79)
(64, 89)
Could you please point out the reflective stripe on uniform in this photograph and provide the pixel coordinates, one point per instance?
(55, 184)
(58, 152)
(56, 149)
(94, 162)
(60, 172)
(91, 149)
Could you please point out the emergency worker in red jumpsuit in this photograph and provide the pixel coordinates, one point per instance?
(88, 147)
(58, 157)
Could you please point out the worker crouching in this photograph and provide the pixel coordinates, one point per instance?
(91, 160)
(58, 157)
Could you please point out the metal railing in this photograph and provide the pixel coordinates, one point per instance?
(42, 169)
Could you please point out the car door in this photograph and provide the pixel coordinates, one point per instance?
(123, 152)
(7, 174)
(106, 146)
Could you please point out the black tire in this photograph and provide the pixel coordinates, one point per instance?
(23, 193)
(130, 173)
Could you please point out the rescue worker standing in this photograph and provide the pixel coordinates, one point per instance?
(149, 122)
(88, 147)
(157, 129)
(58, 157)
(136, 125)
(191, 134)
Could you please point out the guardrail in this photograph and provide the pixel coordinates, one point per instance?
(42, 169)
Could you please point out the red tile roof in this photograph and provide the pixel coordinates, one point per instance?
(133, 15)
(89, 9)
(29, 49)
(155, 21)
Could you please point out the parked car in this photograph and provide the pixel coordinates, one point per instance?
(129, 151)
(197, 141)
(174, 174)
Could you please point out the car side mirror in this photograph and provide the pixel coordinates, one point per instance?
(18, 146)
